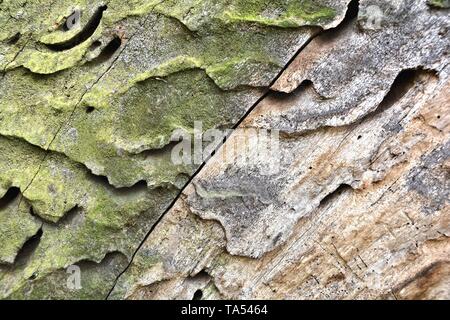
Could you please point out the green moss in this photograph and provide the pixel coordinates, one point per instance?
(106, 220)
(34, 107)
(439, 3)
(144, 119)
(95, 281)
(33, 20)
(241, 71)
(101, 95)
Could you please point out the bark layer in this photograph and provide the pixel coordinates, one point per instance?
(352, 200)
(359, 205)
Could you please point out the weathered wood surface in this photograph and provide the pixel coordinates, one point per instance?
(360, 206)
(351, 202)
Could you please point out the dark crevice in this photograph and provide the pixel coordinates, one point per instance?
(202, 276)
(33, 214)
(83, 35)
(102, 180)
(140, 186)
(28, 248)
(113, 256)
(305, 87)
(325, 36)
(9, 197)
(402, 84)
(184, 28)
(96, 44)
(158, 152)
(108, 50)
(352, 12)
(333, 195)
(14, 39)
(264, 95)
(350, 17)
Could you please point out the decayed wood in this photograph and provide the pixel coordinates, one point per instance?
(360, 205)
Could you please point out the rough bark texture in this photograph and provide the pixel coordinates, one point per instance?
(352, 203)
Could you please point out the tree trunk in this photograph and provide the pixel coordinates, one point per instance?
(333, 181)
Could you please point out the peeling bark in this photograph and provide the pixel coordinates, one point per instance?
(351, 201)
